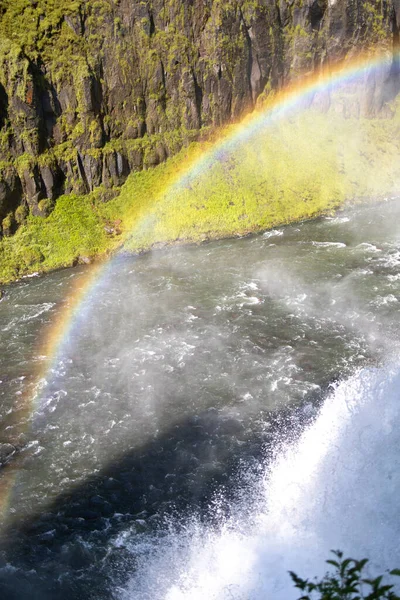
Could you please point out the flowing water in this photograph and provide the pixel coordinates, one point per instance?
(216, 416)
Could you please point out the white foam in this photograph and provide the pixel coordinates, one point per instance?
(251, 300)
(369, 247)
(384, 300)
(391, 260)
(338, 220)
(329, 244)
(335, 488)
(31, 312)
(273, 233)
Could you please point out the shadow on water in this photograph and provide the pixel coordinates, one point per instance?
(65, 552)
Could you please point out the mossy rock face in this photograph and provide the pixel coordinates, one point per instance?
(45, 207)
(8, 225)
(292, 170)
(80, 79)
(21, 214)
(103, 194)
(151, 158)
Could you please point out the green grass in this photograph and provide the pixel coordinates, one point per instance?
(72, 232)
(295, 170)
(291, 171)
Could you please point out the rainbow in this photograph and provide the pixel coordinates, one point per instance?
(78, 304)
(289, 100)
(73, 312)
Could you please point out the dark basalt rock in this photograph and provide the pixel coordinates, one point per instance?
(10, 191)
(145, 77)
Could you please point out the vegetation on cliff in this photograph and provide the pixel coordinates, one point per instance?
(92, 90)
(295, 169)
(97, 93)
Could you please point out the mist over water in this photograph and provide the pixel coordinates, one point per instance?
(334, 488)
(217, 416)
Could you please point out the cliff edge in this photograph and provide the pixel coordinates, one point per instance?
(93, 90)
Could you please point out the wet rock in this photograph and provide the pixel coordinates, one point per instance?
(141, 515)
(115, 169)
(154, 494)
(76, 554)
(115, 497)
(107, 509)
(93, 171)
(33, 189)
(53, 180)
(10, 191)
(85, 260)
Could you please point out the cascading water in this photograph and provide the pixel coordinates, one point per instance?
(335, 487)
(221, 415)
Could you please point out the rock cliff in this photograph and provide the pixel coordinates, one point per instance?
(91, 90)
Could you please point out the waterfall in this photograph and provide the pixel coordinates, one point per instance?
(333, 488)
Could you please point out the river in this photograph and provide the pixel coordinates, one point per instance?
(215, 416)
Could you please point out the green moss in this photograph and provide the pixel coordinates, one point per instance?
(25, 162)
(375, 22)
(293, 170)
(30, 257)
(296, 170)
(72, 230)
(45, 206)
(4, 168)
(21, 214)
(8, 224)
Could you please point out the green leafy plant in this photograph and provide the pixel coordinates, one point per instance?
(347, 582)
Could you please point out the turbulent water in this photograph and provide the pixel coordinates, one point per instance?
(216, 416)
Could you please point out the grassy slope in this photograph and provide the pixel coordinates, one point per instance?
(295, 170)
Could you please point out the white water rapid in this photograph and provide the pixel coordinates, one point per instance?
(333, 488)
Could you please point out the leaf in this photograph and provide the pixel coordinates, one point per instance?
(333, 562)
(347, 562)
(299, 583)
(377, 581)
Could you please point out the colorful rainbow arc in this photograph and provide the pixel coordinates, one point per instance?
(291, 98)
